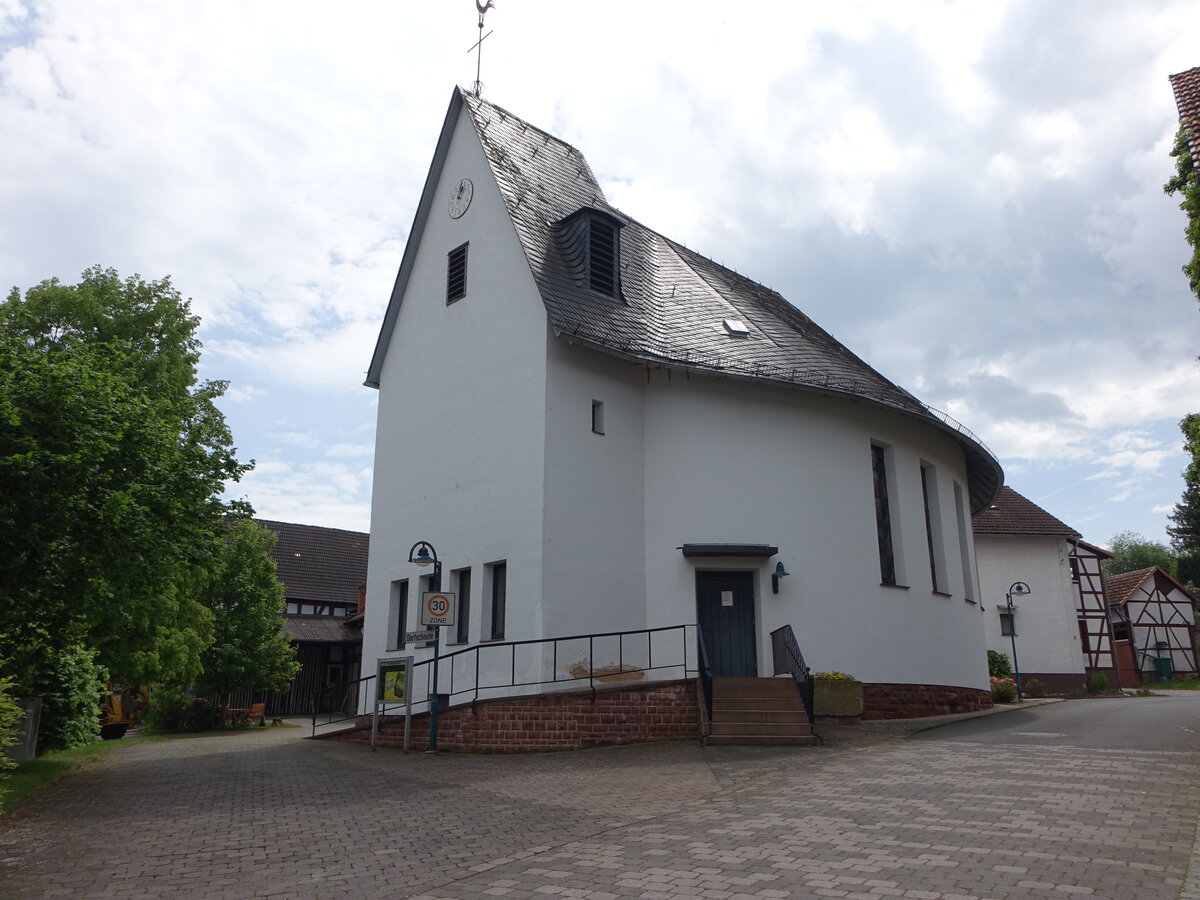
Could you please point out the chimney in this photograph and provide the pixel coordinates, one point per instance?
(362, 599)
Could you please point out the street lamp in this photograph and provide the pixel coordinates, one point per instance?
(423, 554)
(1016, 589)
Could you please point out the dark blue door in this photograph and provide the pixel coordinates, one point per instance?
(725, 609)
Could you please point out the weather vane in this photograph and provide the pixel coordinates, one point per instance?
(477, 87)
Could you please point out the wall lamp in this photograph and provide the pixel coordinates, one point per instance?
(780, 572)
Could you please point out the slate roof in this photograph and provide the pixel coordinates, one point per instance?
(319, 564)
(1186, 86)
(674, 300)
(1012, 514)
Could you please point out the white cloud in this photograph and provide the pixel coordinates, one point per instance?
(351, 450)
(968, 195)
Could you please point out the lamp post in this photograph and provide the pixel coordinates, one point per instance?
(1016, 589)
(423, 554)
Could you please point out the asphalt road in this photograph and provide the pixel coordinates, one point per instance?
(1166, 723)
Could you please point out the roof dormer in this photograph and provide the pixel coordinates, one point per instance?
(590, 242)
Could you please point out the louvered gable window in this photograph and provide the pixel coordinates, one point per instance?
(590, 242)
(456, 274)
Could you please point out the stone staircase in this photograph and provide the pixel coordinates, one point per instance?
(758, 711)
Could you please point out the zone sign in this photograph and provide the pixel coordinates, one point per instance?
(437, 608)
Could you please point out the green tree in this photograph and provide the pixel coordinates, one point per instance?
(250, 649)
(1186, 183)
(1185, 520)
(113, 456)
(1132, 552)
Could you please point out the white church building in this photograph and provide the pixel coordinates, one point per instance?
(603, 431)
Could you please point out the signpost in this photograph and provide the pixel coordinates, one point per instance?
(437, 609)
(392, 687)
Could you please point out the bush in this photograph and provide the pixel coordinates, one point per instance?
(11, 714)
(70, 684)
(165, 713)
(1035, 688)
(998, 665)
(172, 712)
(1004, 690)
(1098, 683)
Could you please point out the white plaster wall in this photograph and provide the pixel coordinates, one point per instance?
(461, 436)
(594, 553)
(1047, 628)
(730, 462)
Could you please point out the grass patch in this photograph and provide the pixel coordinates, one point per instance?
(1192, 684)
(22, 781)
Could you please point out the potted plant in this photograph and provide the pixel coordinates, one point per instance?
(837, 698)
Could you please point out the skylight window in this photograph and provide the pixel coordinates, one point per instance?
(736, 328)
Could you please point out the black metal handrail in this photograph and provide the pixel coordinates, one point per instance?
(788, 660)
(706, 681)
(467, 664)
(338, 703)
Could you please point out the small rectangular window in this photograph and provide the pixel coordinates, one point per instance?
(1006, 624)
(398, 615)
(598, 417)
(499, 600)
(463, 619)
(456, 274)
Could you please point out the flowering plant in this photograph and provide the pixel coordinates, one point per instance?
(833, 676)
(1004, 690)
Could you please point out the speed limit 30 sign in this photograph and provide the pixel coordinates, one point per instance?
(437, 608)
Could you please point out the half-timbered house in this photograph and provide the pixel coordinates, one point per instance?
(1155, 616)
(1095, 627)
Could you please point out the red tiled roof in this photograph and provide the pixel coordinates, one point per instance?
(1186, 86)
(1121, 587)
(319, 564)
(1011, 513)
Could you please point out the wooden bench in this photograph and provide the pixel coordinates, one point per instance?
(258, 713)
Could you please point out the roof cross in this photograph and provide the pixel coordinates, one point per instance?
(477, 87)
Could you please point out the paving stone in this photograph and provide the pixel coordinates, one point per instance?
(269, 815)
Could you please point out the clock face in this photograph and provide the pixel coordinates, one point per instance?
(460, 197)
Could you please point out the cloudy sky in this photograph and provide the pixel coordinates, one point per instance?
(967, 194)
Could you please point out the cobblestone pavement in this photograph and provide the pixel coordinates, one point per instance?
(874, 816)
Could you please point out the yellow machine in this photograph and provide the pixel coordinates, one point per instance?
(121, 708)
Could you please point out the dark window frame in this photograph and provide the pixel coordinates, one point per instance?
(1008, 623)
(401, 599)
(456, 273)
(462, 624)
(499, 599)
(604, 257)
(883, 518)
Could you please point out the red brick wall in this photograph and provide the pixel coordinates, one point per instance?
(912, 701)
(561, 721)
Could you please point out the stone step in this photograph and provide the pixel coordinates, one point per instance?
(759, 728)
(750, 714)
(776, 740)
